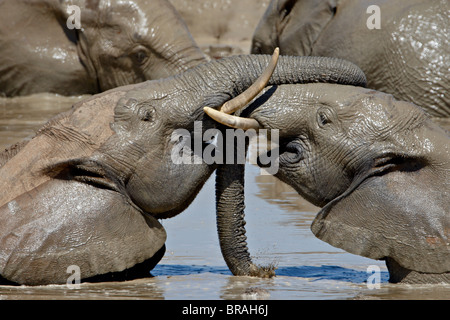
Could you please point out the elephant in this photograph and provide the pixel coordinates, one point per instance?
(90, 187)
(116, 43)
(379, 169)
(405, 55)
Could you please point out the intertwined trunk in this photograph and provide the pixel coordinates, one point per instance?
(227, 78)
(231, 223)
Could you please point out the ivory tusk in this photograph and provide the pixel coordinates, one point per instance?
(252, 91)
(232, 121)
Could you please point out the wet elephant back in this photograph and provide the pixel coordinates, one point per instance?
(71, 223)
(406, 56)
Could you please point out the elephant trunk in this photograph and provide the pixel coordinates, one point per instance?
(231, 224)
(226, 79)
(317, 69)
(234, 75)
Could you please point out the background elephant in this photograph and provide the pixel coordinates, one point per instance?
(407, 56)
(119, 43)
(89, 188)
(378, 167)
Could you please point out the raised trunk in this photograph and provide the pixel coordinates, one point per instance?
(226, 79)
(233, 75)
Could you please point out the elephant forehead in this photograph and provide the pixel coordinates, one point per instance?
(286, 101)
(378, 113)
(124, 10)
(359, 110)
(286, 106)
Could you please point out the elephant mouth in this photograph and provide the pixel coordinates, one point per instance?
(101, 176)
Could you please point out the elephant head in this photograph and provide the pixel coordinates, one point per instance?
(378, 167)
(89, 188)
(73, 47)
(126, 42)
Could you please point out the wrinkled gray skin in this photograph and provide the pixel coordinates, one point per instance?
(89, 188)
(407, 57)
(378, 167)
(119, 43)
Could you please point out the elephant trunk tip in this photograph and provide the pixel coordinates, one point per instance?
(263, 271)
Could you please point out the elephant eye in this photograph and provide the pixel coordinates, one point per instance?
(286, 8)
(324, 116)
(140, 56)
(146, 113)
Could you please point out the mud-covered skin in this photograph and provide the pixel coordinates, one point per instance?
(54, 217)
(378, 167)
(89, 188)
(119, 43)
(406, 57)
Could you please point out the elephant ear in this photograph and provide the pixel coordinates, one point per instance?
(65, 222)
(401, 215)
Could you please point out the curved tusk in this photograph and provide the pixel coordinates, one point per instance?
(232, 121)
(252, 91)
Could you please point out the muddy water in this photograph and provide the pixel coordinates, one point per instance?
(278, 233)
